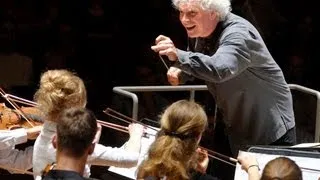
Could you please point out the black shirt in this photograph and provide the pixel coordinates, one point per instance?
(64, 175)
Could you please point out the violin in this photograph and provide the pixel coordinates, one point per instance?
(12, 119)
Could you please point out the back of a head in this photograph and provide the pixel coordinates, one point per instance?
(172, 153)
(281, 168)
(59, 89)
(222, 7)
(75, 131)
(184, 117)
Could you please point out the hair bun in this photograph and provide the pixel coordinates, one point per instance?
(48, 86)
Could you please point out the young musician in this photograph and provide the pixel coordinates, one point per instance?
(73, 141)
(174, 154)
(62, 89)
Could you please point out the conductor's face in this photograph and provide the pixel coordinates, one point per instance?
(198, 22)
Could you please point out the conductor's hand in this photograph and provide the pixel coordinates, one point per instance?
(173, 75)
(165, 46)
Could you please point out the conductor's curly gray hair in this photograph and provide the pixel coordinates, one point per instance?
(221, 7)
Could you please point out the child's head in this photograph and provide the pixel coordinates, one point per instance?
(281, 168)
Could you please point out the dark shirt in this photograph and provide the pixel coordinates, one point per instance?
(199, 176)
(64, 175)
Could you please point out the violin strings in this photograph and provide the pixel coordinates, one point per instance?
(16, 107)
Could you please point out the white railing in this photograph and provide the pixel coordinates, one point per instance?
(128, 92)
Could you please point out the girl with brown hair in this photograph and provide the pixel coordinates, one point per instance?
(173, 154)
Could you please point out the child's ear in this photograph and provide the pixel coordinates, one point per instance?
(54, 141)
(91, 148)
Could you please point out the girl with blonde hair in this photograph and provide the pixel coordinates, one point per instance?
(62, 89)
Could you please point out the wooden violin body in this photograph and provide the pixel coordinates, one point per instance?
(12, 119)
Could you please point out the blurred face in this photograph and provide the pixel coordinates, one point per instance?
(198, 23)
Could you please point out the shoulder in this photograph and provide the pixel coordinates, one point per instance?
(233, 20)
(237, 27)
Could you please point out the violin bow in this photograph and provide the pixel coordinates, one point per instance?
(124, 118)
(221, 157)
(115, 114)
(114, 126)
(212, 154)
(21, 100)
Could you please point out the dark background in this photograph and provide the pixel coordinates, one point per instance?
(107, 43)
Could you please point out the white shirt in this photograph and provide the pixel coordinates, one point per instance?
(45, 153)
(11, 158)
